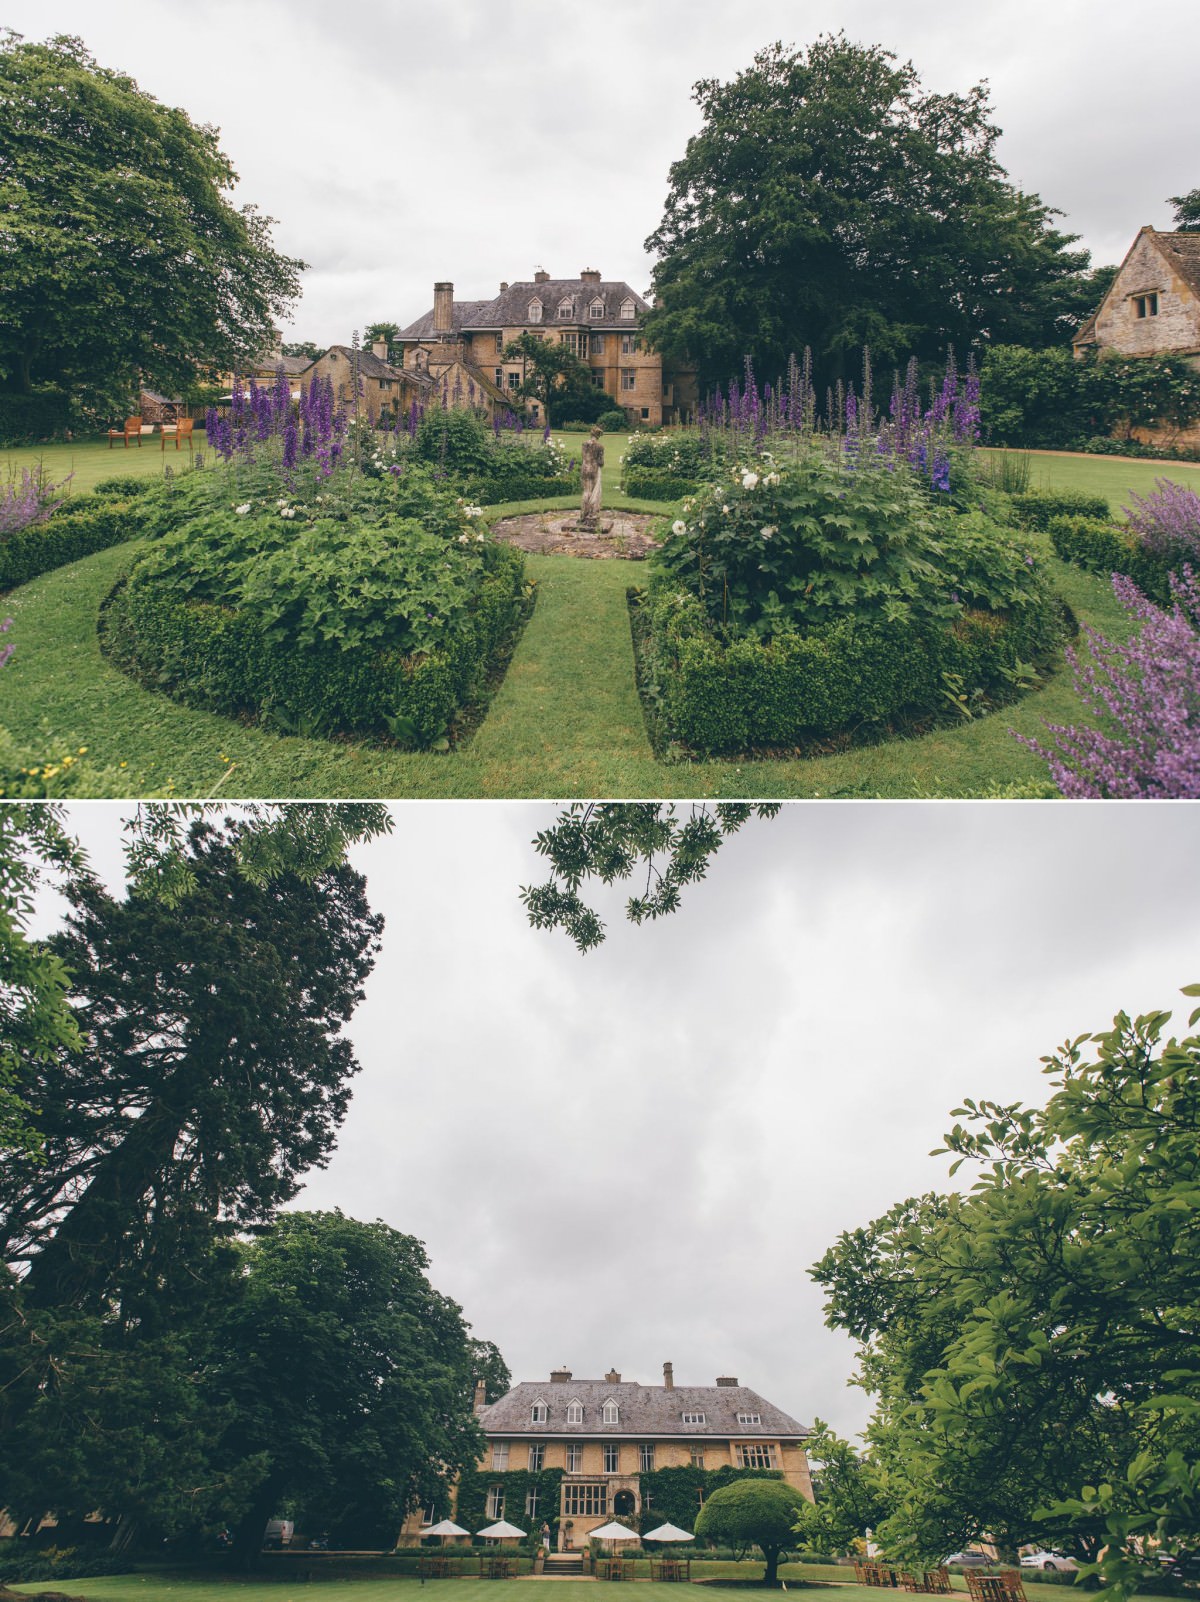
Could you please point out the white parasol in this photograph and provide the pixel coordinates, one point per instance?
(668, 1532)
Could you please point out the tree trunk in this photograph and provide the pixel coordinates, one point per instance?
(122, 1537)
(770, 1573)
(248, 1537)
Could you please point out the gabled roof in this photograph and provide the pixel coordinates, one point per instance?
(1181, 252)
(645, 1411)
(510, 309)
(369, 365)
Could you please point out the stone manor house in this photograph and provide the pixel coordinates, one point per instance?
(606, 1434)
(460, 344)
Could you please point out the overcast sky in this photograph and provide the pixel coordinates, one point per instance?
(632, 1157)
(400, 142)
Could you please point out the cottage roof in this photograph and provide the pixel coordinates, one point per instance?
(510, 309)
(644, 1410)
(1181, 252)
(369, 365)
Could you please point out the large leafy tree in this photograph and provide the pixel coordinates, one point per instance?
(1032, 1343)
(829, 200)
(555, 376)
(347, 1379)
(754, 1512)
(121, 254)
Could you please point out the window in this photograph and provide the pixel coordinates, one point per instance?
(1146, 305)
(697, 1457)
(598, 377)
(566, 310)
(628, 311)
(426, 1517)
(597, 344)
(513, 380)
(756, 1456)
(630, 344)
(575, 1413)
(645, 413)
(577, 344)
(531, 1502)
(500, 1454)
(596, 310)
(538, 1412)
(612, 1413)
(584, 1499)
(612, 1457)
(749, 1418)
(537, 1456)
(535, 311)
(498, 373)
(495, 1502)
(499, 343)
(694, 1418)
(574, 1459)
(628, 378)
(647, 1459)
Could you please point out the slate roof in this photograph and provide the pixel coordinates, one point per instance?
(369, 365)
(1181, 252)
(645, 1411)
(511, 308)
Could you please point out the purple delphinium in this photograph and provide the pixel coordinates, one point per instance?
(6, 650)
(1146, 697)
(291, 442)
(1167, 522)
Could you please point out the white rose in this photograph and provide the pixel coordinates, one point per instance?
(724, 511)
(243, 509)
(749, 481)
(768, 531)
(678, 526)
(463, 539)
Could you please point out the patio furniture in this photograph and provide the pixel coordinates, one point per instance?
(671, 1569)
(180, 430)
(433, 1566)
(1003, 1587)
(132, 429)
(927, 1582)
(877, 1574)
(617, 1568)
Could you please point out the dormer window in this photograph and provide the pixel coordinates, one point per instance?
(694, 1418)
(539, 1413)
(628, 311)
(749, 1418)
(575, 1413)
(566, 310)
(1146, 305)
(612, 1413)
(535, 311)
(596, 310)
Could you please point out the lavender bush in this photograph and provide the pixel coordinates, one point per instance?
(1145, 696)
(28, 499)
(1167, 522)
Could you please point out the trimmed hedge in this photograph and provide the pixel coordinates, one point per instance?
(1036, 508)
(83, 525)
(1107, 548)
(657, 484)
(208, 656)
(726, 696)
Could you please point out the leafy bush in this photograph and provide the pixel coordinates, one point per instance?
(83, 525)
(656, 484)
(613, 422)
(517, 470)
(575, 426)
(19, 1567)
(1047, 399)
(26, 419)
(455, 439)
(125, 485)
(1107, 548)
(1036, 508)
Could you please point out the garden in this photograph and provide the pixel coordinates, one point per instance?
(848, 599)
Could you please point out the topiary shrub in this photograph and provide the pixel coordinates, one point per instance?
(125, 486)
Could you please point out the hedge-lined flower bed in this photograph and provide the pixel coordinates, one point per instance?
(81, 525)
(322, 623)
(1160, 537)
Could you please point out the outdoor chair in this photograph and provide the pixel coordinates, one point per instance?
(131, 430)
(988, 1587)
(180, 430)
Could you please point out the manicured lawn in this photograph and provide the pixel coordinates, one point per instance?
(1113, 476)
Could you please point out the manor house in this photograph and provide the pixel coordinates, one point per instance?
(461, 343)
(607, 1435)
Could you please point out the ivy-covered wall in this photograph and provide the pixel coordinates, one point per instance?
(473, 1490)
(672, 1495)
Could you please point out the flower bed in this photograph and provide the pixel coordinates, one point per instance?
(1160, 537)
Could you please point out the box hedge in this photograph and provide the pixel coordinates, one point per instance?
(1105, 547)
(84, 524)
(656, 484)
(1037, 508)
(213, 657)
(724, 695)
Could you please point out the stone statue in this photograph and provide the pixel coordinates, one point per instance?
(593, 461)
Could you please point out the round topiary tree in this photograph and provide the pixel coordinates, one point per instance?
(760, 1513)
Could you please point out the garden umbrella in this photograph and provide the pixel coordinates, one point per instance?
(613, 1532)
(446, 1527)
(668, 1532)
(500, 1531)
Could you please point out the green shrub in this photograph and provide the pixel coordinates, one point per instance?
(576, 427)
(455, 439)
(1036, 508)
(1106, 548)
(26, 419)
(84, 524)
(656, 484)
(518, 469)
(614, 422)
(744, 694)
(126, 485)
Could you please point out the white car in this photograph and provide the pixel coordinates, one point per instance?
(1049, 1560)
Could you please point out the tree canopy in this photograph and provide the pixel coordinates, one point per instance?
(754, 1512)
(1187, 212)
(1031, 1343)
(122, 256)
(830, 201)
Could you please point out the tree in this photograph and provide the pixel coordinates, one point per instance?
(301, 347)
(1032, 1343)
(488, 1365)
(760, 1513)
(388, 332)
(830, 201)
(346, 1378)
(553, 375)
(122, 257)
(1187, 212)
(849, 1500)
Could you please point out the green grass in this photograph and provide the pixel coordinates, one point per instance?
(1115, 477)
(566, 722)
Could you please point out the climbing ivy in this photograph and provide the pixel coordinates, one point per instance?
(473, 1488)
(673, 1495)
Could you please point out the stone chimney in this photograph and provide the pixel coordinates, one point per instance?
(589, 275)
(612, 1377)
(443, 308)
(541, 276)
(728, 1380)
(559, 1376)
(669, 1376)
(503, 286)
(379, 348)
(480, 1399)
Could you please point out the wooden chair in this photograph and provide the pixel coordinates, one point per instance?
(987, 1587)
(131, 430)
(181, 430)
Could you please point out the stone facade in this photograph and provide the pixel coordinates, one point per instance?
(605, 1434)
(386, 390)
(598, 319)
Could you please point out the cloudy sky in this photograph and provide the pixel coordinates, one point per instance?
(400, 142)
(632, 1157)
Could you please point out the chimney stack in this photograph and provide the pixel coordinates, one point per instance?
(480, 1398)
(726, 1380)
(669, 1376)
(559, 1376)
(612, 1377)
(379, 348)
(443, 308)
(541, 276)
(589, 275)
(503, 286)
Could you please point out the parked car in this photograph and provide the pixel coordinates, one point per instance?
(967, 1560)
(1181, 1565)
(278, 1534)
(1049, 1560)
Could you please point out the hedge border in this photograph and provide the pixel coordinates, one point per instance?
(84, 525)
(1106, 548)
